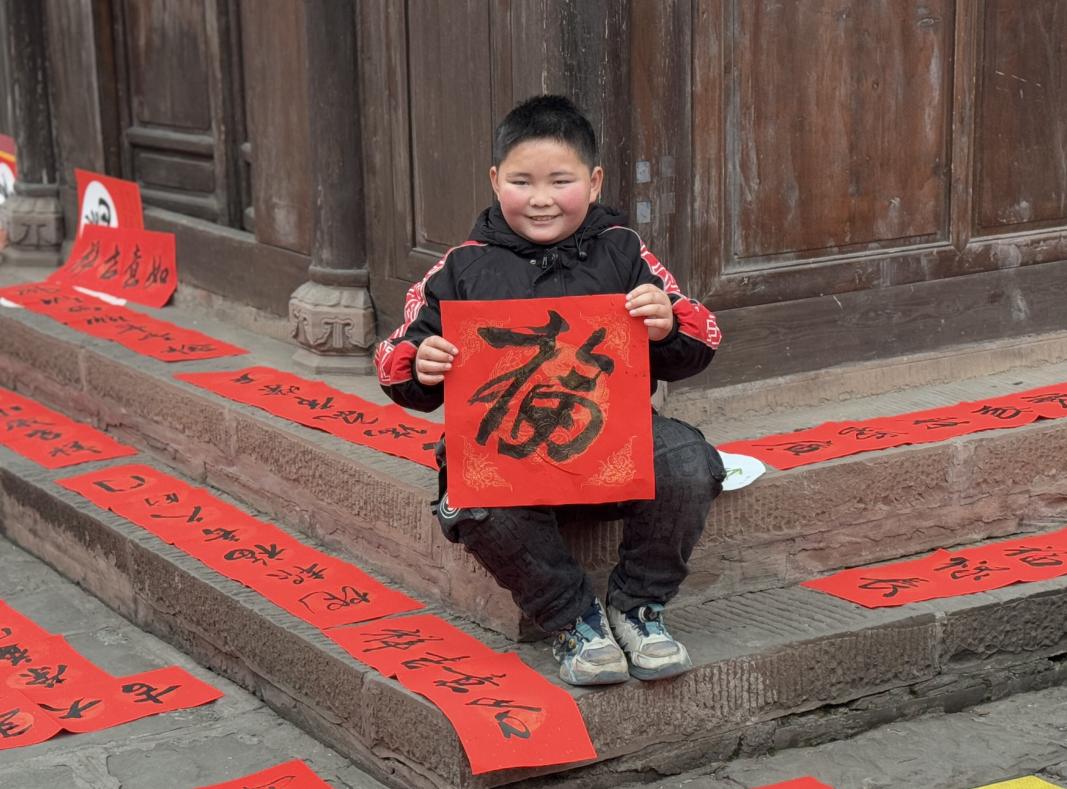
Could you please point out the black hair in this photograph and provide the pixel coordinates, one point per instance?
(546, 117)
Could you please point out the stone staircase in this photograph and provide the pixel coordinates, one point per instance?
(776, 664)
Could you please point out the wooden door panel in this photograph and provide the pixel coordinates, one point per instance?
(1021, 159)
(178, 118)
(838, 125)
(451, 119)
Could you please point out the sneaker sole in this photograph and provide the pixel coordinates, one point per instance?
(600, 678)
(664, 672)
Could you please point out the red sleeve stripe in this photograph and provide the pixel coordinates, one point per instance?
(694, 319)
(394, 368)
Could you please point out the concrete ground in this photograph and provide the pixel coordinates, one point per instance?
(232, 737)
(1022, 735)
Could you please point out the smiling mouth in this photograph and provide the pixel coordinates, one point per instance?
(542, 218)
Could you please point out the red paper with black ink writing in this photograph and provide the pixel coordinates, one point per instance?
(125, 699)
(140, 333)
(294, 774)
(49, 438)
(547, 403)
(311, 585)
(127, 262)
(1038, 557)
(22, 722)
(408, 642)
(386, 428)
(840, 439)
(506, 714)
(108, 201)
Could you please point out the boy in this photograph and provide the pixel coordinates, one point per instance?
(546, 237)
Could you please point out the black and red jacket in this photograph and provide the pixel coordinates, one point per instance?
(603, 256)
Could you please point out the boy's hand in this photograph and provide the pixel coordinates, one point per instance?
(651, 303)
(434, 359)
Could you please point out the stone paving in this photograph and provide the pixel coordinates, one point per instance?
(234, 736)
(1022, 735)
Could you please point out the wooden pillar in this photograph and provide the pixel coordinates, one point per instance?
(331, 315)
(33, 216)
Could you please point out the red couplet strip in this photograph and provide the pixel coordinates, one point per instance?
(125, 699)
(839, 439)
(807, 782)
(103, 200)
(51, 670)
(944, 574)
(22, 722)
(128, 262)
(51, 439)
(547, 403)
(389, 428)
(317, 588)
(407, 642)
(506, 714)
(290, 775)
(140, 333)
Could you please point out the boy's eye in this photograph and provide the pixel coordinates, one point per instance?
(519, 181)
(563, 183)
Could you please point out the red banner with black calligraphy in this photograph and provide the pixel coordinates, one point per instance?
(547, 403)
(49, 438)
(948, 574)
(313, 586)
(833, 440)
(136, 331)
(125, 262)
(386, 428)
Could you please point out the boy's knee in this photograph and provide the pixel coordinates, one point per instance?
(684, 458)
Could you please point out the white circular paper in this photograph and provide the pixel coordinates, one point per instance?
(7, 182)
(741, 470)
(97, 207)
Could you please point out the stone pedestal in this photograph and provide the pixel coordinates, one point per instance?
(33, 219)
(334, 326)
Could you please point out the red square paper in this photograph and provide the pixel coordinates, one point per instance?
(547, 403)
(103, 200)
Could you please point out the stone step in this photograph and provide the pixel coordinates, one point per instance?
(773, 669)
(787, 527)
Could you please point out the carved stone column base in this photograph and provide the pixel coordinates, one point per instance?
(334, 327)
(34, 227)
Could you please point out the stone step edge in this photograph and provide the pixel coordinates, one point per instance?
(323, 485)
(403, 739)
(769, 396)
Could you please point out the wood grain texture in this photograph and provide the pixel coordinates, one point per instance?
(1022, 124)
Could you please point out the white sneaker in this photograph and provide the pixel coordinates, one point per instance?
(587, 652)
(650, 649)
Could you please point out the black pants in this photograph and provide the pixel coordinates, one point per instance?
(523, 550)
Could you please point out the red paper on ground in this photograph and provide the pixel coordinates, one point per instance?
(126, 699)
(317, 588)
(807, 782)
(387, 428)
(140, 333)
(290, 775)
(505, 713)
(22, 722)
(944, 574)
(547, 403)
(52, 671)
(408, 642)
(839, 439)
(103, 200)
(128, 262)
(49, 438)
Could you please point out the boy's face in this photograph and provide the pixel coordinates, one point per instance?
(545, 190)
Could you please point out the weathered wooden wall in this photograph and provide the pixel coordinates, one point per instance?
(840, 180)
